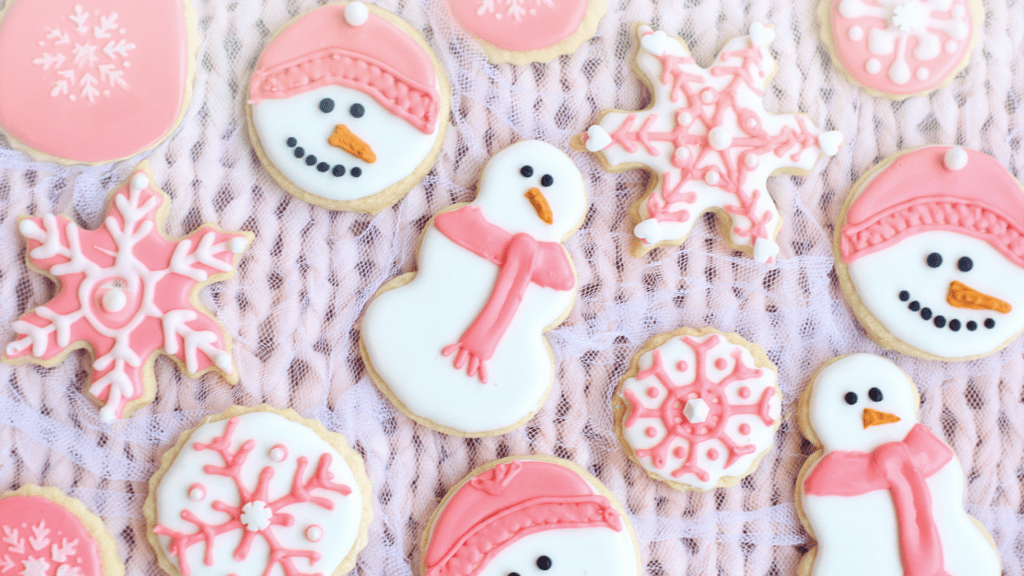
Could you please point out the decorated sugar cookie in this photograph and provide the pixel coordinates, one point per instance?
(883, 494)
(459, 345)
(348, 107)
(698, 409)
(900, 48)
(708, 142)
(525, 31)
(930, 253)
(47, 533)
(92, 81)
(530, 516)
(127, 293)
(257, 492)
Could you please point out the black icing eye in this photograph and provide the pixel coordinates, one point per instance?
(544, 563)
(547, 180)
(934, 260)
(875, 394)
(965, 264)
(357, 110)
(513, 574)
(851, 398)
(327, 105)
(526, 171)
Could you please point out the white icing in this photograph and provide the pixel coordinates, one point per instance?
(654, 43)
(238, 244)
(830, 142)
(597, 138)
(590, 551)
(955, 158)
(856, 33)
(922, 74)
(846, 528)
(256, 516)
(356, 13)
(765, 250)
(873, 66)
(649, 231)
(397, 144)
(515, 9)
(696, 411)
(761, 35)
(405, 329)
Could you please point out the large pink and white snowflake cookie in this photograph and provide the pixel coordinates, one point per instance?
(43, 532)
(92, 81)
(708, 142)
(127, 293)
(259, 492)
(698, 409)
(901, 48)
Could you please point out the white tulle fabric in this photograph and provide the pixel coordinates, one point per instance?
(294, 308)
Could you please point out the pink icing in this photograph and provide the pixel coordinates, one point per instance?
(506, 503)
(154, 278)
(234, 461)
(902, 468)
(92, 110)
(949, 26)
(520, 25)
(322, 49)
(523, 260)
(41, 537)
(916, 193)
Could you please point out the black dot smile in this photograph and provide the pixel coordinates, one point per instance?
(938, 320)
(323, 167)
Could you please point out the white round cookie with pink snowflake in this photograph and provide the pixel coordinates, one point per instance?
(698, 409)
(259, 492)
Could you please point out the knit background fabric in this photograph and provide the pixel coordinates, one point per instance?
(295, 306)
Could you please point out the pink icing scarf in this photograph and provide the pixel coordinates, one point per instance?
(902, 468)
(523, 260)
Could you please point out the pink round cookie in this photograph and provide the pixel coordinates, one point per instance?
(92, 81)
(900, 48)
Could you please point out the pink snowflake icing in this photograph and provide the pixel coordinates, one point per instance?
(686, 416)
(709, 140)
(126, 292)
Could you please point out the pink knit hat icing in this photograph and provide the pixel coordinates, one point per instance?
(937, 188)
(376, 57)
(507, 502)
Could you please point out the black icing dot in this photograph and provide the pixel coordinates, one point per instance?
(914, 306)
(940, 321)
(965, 264)
(323, 166)
(990, 323)
(954, 325)
(357, 172)
(972, 325)
(851, 398)
(292, 142)
(934, 260)
(526, 171)
(310, 160)
(327, 105)
(544, 563)
(357, 110)
(338, 171)
(904, 296)
(875, 394)
(926, 313)
(299, 152)
(547, 180)
(513, 574)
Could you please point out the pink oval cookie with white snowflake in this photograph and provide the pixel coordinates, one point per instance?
(92, 81)
(698, 408)
(258, 491)
(900, 48)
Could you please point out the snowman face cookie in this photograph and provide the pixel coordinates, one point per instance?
(930, 253)
(489, 524)
(348, 107)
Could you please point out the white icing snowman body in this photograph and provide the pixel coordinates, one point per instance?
(406, 329)
(597, 551)
(858, 404)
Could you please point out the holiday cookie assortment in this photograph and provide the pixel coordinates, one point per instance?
(347, 108)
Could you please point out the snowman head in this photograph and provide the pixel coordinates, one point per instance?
(532, 187)
(859, 402)
(934, 245)
(345, 103)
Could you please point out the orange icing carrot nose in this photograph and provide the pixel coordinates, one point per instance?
(344, 138)
(540, 204)
(876, 418)
(963, 296)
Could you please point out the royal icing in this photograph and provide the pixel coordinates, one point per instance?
(901, 47)
(94, 80)
(933, 244)
(709, 141)
(346, 103)
(699, 410)
(462, 344)
(520, 25)
(42, 538)
(127, 293)
(522, 516)
(302, 515)
(883, 483)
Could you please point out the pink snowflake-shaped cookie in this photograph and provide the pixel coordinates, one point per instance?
(709, 141)
(698, 409)
(259, 491)
(127, 293)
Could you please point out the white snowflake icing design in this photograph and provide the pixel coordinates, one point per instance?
(30, 554)
(516, 9)
(87, 56)
(897, 21)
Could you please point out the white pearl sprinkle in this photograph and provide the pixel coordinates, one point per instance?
(356, 13)
(719, 138)
(314, 533)
(712, 177)
(955, 158)
(140, 182)
(114, 300)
